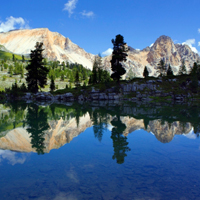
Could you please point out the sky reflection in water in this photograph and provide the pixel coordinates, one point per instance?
(87, 157)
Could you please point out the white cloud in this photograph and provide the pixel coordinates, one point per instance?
(107, 52)
(190, 42)
(191, 134)
(13, 23)
(70, 6)
(87, 14)
(12, 157)
(198, 43)
(199, 30)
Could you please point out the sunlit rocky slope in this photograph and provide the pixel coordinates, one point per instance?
(57, 47)
(163, 48)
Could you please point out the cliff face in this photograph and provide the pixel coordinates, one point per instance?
(56, 46)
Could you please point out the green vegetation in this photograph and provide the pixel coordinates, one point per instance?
(37, 72)
(9, 56)
(17, 75)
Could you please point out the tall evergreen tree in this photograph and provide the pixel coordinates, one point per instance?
(195, 70)
(169, 71)
(119, 55)
(52, 85)
(94, 71)
(195, 73)
(23, 59)
(182, 68)
(146, 72)
(13, 58)
(161, 68)
(37, 73)
(77, 80)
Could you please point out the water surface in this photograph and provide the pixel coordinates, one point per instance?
(107, 152)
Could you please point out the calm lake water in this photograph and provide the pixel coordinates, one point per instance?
(109, 151)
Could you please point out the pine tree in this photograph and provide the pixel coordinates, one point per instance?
(13, 58)
(119, 55)
(195, 73)
(146, 72)
(161, 69)
(182, 68)
(77, 78)
(37, 73)
(52, 85)
(94, 72)
(169, 71)
(23, 59)
(195, 70)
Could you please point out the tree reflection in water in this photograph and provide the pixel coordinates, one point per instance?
(119, 141)
(37, 125)
(164, 121)
(100, 120)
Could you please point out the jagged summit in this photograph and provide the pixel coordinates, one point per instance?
(163, 48)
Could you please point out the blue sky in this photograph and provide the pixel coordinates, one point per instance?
(92, 24)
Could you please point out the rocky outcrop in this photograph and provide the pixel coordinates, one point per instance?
(132, 91)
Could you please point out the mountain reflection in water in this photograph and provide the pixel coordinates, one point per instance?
(99, 151)
(29, 127)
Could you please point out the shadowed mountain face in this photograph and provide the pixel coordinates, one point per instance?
(57, 47)
(46, 128)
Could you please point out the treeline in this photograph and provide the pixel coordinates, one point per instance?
(164, 69)
(63, 71)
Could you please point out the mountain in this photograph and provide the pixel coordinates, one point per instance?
(57, 47)
(163, 48)
(60, 133)
(63, 131)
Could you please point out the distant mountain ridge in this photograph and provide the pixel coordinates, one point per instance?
(57, 47)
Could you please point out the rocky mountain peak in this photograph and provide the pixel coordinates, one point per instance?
(163, 48)
(56, 46)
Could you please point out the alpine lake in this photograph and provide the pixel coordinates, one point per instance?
(99, 150)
